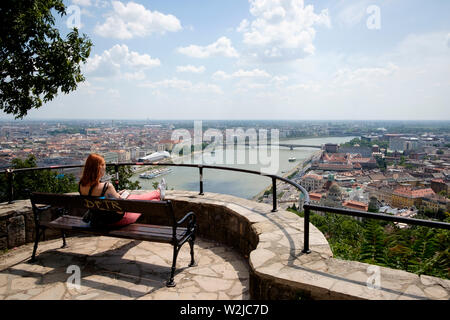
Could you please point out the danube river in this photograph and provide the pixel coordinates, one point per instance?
(237, 183)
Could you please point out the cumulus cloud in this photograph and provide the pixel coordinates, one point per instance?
(222, 47)
(111, 62)
(131, 20)
(282, 29)
(191, 68)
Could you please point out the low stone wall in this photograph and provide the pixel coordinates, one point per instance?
(272, 242)
(17, 224)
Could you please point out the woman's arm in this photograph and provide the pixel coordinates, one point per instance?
(111, 192)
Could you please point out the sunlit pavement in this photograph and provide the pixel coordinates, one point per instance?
(112, 268)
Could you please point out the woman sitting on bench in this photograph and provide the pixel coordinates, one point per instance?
(90, 185)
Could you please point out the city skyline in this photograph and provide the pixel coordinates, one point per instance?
(258, 60)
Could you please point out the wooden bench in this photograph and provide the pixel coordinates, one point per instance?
(173, 234)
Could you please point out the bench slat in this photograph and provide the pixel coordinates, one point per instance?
(134, 231)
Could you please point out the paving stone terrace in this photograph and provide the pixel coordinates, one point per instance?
(266, 262)
(122, 269)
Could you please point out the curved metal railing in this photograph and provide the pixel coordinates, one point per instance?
(305, 202)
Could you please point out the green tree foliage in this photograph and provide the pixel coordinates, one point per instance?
(373, 205)
(38, 180)
(372, 248)
(381, 163)
(125, 174)
(420, 250)
(35, 62)
(364, 143)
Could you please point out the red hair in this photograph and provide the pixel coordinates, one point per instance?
(92, 170)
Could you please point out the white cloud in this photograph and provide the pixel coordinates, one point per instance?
(279, 80)
(308, 86)
(222, 47)
(448, 40)
(363, 76)
(282, 29)
(255, 73)
(243, 27)
(133, 20)
(111, 62)
(191, 68)
(183, 85)
(138, 75)
(221, 75)
(87, 88)
(250, 73)
(85, 3)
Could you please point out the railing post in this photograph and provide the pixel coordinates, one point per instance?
(200, 168)
(116, 168)
(306, 232)
(9, 176)
(274, 194)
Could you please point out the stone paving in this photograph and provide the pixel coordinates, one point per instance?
(122, 269)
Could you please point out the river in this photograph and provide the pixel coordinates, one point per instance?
(236, 183)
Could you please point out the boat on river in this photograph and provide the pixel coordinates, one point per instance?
(154, 173)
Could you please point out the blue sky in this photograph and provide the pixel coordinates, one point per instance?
(260, 59)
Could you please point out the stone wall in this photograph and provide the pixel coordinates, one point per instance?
(17, 224)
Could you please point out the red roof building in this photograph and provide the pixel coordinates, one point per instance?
(355, 205)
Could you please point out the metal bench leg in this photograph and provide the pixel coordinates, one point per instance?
(36, 241)
(191, 244)
(172, 283)
(64, 239)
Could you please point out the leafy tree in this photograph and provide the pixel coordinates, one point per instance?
(35, 62)
(381, 163)
(424, 247)
(372, 248)
(442, 193)
(125, 173)
(414, 249)
(373, 205)
(38, 180)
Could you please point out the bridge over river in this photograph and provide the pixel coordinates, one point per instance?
(290, 145)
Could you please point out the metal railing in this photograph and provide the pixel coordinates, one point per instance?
(305, 203)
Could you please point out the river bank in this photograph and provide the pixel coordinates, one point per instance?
(294, 170)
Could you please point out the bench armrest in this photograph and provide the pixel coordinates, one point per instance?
(191, 220)
(38, 210)
(187, 216)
